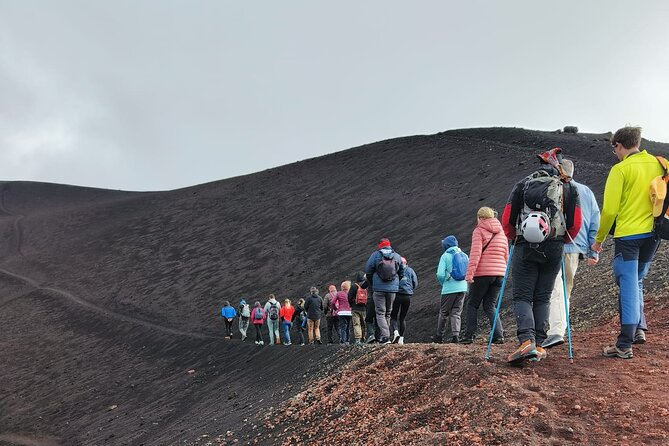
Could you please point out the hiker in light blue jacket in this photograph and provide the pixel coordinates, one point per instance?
(453, 290)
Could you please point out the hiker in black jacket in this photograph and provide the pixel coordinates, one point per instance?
(314, 307)
(359, 310)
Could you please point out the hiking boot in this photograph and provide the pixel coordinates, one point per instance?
(400, 341)
(318, 341)
(466, 341)
(541, 354)
(396, 337)
(453, 340)
(498, 340)
(612, 351)
(370, 340)
(552, 341)
(526, 350)
(639, 337)
(437, 340)
(384, 341)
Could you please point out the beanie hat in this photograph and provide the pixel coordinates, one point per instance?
(384, 243)
(242, 302)
(449, 242)
(404, 260)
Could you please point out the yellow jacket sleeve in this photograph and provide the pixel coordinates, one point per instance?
(612, 197)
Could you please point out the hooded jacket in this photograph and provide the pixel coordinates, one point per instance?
(379, 285)
(409, 282)
(448, 284)
(255, 320)
(314, 307)
(492, 261)
(269, 304)
(340, 304)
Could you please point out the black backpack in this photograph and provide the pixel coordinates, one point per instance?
(273, 312)
(386, 268)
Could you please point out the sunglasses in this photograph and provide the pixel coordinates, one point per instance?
(614, 145)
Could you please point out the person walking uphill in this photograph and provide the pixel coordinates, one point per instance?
(485, 273)
(331, 319)
(408, 284)
(314, 307)
(542, 213)
(300, 319)
(228, 313)
(451, 275)
(384, 270)
(357, 299)
(627, 207)
(286, 313)
(343, 311)
(258, 320)
(573, 251)
(244, 318)
(273, 312)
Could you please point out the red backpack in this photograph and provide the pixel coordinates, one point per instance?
(361, 296)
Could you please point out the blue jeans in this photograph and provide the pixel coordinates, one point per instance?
(344, 329)
(631, 263)
(286, 330)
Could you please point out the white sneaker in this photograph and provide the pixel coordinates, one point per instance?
(396, 336)
(401, 341)
(257, 343)
(261, 343)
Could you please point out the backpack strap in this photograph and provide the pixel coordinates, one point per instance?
(486, 245)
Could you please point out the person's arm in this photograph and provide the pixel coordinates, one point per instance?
(351, 293)
(573, 214)
(400, 270)
(475, 253)
(612, 194)
(414, 278)
(593, 257)
(441, 269)
(511, 210)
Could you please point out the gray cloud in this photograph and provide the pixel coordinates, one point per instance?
(160, 95)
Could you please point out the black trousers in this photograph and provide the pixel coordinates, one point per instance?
(533, 270)
(485, 289)
(398, 315)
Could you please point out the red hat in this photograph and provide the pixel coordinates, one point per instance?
(384, 243)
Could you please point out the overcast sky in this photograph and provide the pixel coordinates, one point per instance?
(154, 95)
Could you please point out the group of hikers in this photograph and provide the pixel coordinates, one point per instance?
(549, 224)
(351, 313)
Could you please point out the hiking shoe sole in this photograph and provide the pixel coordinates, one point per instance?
(612, 351)
(552, 343)
(527, 350)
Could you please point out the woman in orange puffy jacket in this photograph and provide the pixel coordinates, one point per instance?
(485, 272)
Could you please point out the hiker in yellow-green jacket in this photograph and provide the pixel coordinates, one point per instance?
(628, 209)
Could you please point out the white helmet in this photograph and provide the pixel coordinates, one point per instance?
(536, 227)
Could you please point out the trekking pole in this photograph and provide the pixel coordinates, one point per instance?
(566, 309)
(499, 303)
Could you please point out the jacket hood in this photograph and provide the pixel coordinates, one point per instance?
(449, 242)
(453, 249)
(491, 225)
(386, 251)
(242, 302)
(272, 301)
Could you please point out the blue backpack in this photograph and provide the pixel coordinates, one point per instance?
(459, 269)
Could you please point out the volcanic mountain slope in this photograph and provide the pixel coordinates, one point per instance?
(108, 298)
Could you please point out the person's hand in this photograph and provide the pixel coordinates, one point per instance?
(597, 247)
(470, 281)
(592, 262)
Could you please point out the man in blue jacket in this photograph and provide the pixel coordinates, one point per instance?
(580, 247)
(384, 270)
(228, 313)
